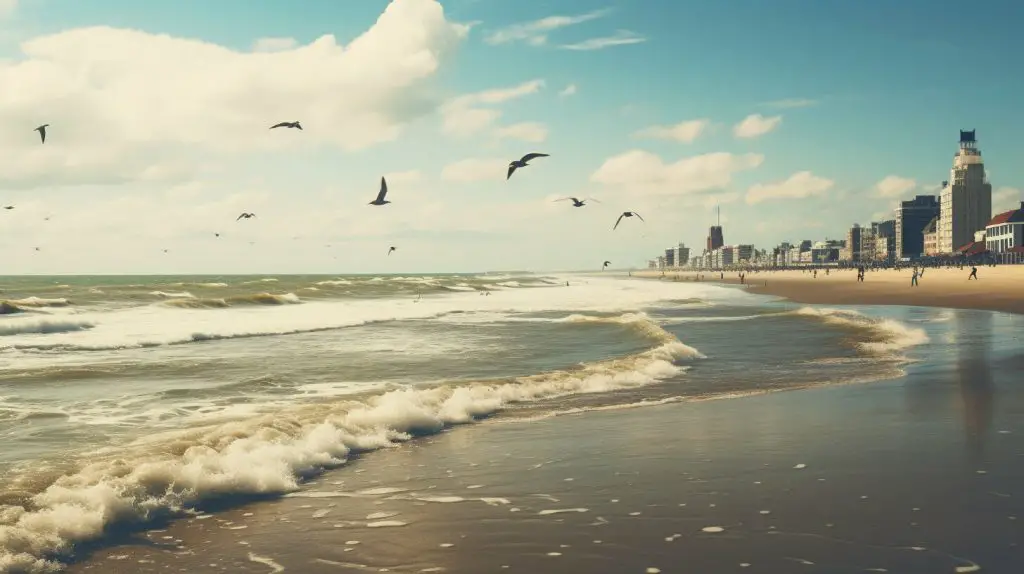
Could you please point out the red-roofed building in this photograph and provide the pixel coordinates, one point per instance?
(1004, 233)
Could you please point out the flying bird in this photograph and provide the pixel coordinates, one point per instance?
(606, 264)
(577, 202)
(37, 249)
(216, 234)
(42, 132)
(518, 163)
(294, 124)
(380, 195)
(8, 207)
(627, 214)
(245, 216)
(165, 251)
(392, 249)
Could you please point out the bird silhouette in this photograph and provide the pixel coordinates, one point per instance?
(294, 125)
(577, 202)
(8, 207)
(245, 216)
(627, 214)
(42, 132)
(606, 264)
(217, 234)
(518, 163)
(381, 194)
(165, 250)
(392, 249)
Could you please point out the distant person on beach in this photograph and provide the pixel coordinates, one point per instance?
(815, 273)
(974, 274)
(913, 278)
(741, 278)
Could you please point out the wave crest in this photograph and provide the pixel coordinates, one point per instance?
(891, 336)
(169, 474)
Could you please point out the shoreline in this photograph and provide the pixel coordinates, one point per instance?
(738, 486)
(999, 289)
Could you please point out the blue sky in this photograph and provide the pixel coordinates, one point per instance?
(855, 92)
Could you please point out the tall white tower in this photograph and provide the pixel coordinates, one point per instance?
(965, 204)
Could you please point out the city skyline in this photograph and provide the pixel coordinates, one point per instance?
(779, 128)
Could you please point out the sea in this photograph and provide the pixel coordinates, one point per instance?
(126, 400)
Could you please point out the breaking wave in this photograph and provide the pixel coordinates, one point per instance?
(43, 326)
(239, 300)
(890, 336)
(174, 473)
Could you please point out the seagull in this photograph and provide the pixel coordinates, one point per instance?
(37, 249)
(606, 264)
(392, 249)
(518, 163)
(577, 202)
(217, 234)
(8, 207)
(42, 132)
(294, 124)
(165, 251)
(627, 214)
(380, 195)
(245, 216)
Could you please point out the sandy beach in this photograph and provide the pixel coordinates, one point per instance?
(998, 288)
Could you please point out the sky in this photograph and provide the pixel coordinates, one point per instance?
(797, 117)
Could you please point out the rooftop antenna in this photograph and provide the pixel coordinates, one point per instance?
(719, 214)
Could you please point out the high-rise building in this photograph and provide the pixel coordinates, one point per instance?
(715, 239)
(851, 252)
(965, 205)
(911, 218)
(682, 255)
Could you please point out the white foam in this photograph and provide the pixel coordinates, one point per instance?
(554, 553)
(801, 465)
(274, 566)
(321, 513)
(712, 529)
(386, 524)
(30, 326)
(892, 336)
(160, 324)
(381, 515)
(653, 570)
(562, 510)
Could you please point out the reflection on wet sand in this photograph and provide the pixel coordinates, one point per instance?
(974, 376)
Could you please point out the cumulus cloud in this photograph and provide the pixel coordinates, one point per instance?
(463, 117)
(568, 91)
(533, 132)
(797, 186)
(756, 125)
(125, 105)
(685, 132)
(894, 186)
(1006, 199)
(475, 169)
(536, 32)
(274, 44)
(644, 173)
(619, 38)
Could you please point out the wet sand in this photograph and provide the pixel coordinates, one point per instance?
(924, 474)
(998, 288)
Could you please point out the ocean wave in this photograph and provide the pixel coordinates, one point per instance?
(43, 326)
(39, 302)
(172, 473)
(891, 336)
(254, 299)
(173, 294)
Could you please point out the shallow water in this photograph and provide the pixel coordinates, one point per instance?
(141, 396)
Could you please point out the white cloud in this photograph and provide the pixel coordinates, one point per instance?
(462, 117)
(8, 7)
(1006, 199)
(643, 173)
(534, 132)
(790, 103)
(125, 105)
(274, 44)
(536, 33)
(756, 125)
(797, 186)
(568, 91)
(475, 169)
(685, 132)
(894, 186)
(619, 38)
(720, 198)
